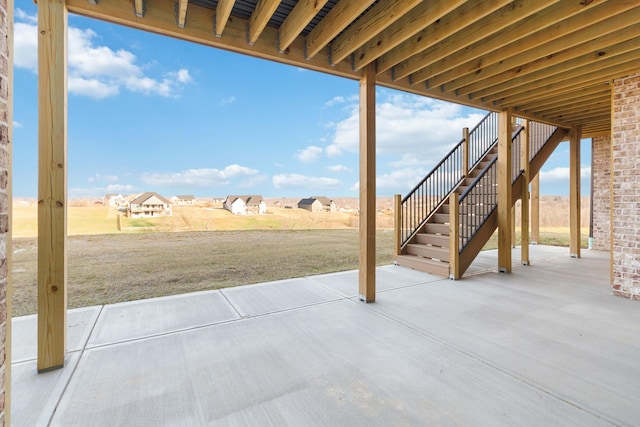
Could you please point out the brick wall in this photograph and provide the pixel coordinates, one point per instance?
(6, 118)
(601, 176)
(626, 187)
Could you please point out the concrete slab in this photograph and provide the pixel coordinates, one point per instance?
(24, 331)
(276, 296)
(387, 277)
(536, 326)
(545, 345)
(338, 363)
(34, 397)
(138, 319)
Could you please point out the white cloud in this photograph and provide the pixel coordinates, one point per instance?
(338, 168)
(98, 192)
(120, 188)
(398, 180)
(562, 174)
(228, 100)
(335, 100)
(25, 45)
(17, 124)
(307, 182)
(309, 154)
(102, 178)
(199, 177)
(410, 125)
(94, 71)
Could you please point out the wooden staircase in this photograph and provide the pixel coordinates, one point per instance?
(428, 248)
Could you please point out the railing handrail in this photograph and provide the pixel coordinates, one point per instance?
(477, 179)
(435, 168)
(445, 177)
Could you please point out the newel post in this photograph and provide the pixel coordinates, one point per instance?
(454, 236)
(465, 151)
(397, 216)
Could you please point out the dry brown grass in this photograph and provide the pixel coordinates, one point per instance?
(104, 269)
(206, 247)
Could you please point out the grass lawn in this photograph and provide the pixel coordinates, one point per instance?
(110, 268)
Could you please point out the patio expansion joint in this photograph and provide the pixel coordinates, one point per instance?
(479, 359)
(75, 368)
(209, 325)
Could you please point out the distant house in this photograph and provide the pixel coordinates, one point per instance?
(318, 204)
(186, 200)
(242, 205)
(112, 199)
(148, 205)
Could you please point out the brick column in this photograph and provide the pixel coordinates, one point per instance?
(6, 119)
(601, 187)
(626, 187)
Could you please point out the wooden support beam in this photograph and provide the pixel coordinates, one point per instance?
(465, 151)
(339, 18)
(524, 199)
(182, 12)
(538, 30)
(367, 272)
(574, 192)
(576, 69)
(535, 209)
(478, 31)
(504, 191)
(138, 7)
(513, 226)
(538, 58)
(223, 11)
(422, 16)
(448, 25)
(397, 220)
(384, 13)
(454, 236)
(297, 20)
(260, 17)
(52, 184)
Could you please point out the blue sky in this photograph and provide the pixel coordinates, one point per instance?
(151, 113)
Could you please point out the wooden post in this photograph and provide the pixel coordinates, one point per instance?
(513, 226)
(367, 271)
(505, 192)
(574, 192)
(454, 236)
(465, 151)
(524, 200)
(397, 214)
(535, 209)
(52, 183)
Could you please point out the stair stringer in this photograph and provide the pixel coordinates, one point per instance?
(480, 238)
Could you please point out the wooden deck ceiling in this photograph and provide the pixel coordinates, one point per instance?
(547, 60)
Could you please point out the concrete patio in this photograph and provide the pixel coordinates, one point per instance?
(545, 345)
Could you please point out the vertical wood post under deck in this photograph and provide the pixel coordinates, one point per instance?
(524, 206)
(454, 236)
(52, 183)
(465, 151)
(535, 209)
(505, 193)
(574, 192)
(367, 270)
(397, 215)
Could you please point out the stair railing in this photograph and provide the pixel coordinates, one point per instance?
(480, 199)
(426, 197)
